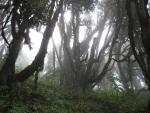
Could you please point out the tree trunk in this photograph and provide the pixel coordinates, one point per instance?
(38, 62)
(139, 8)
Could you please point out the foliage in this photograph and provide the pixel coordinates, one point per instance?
(36, 10)
(124, 102)
(49, 99)
(16, 109)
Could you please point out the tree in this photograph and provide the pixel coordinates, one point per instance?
(25, 15)
(138, 27)
(82, 66)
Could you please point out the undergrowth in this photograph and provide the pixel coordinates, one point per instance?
(50, 98)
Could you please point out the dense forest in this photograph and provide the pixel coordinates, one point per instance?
(93, 56)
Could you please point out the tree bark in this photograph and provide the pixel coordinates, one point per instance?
(8, 69)
(142, 16)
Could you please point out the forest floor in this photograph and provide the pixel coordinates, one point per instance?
(50, 99)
